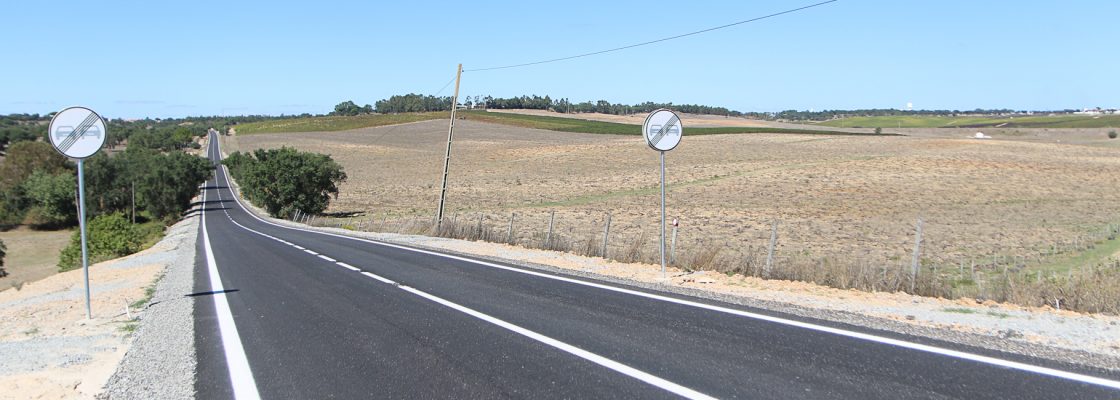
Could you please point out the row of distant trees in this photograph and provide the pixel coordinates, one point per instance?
(423, 103)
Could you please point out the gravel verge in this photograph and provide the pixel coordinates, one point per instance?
(161, 362)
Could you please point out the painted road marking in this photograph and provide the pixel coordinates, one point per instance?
(347, 266)
(378, 277)
(310, 252)
(1114, 384)
(240, 375)
(576, 351)
(327, 258)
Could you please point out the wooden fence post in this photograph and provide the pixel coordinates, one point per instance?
(916, 262)
(509, 231)
(606, 235)
(770, 252)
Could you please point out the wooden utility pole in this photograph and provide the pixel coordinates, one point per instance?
(447, 158)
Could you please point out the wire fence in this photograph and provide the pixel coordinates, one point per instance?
(1064, 274)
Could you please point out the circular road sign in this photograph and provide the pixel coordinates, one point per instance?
(663, 130)
(77, 132)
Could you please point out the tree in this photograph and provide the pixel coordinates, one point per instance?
(169, 182)
(51, 198)
(24, 158)
(347, 108)
(285, 180)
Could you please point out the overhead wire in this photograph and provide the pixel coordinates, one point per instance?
(651, 41)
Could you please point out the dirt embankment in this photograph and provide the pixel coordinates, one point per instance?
(47, 346)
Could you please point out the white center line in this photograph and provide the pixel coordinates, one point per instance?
(347, 266)
(327, 258)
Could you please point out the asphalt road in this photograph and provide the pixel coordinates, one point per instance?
(289, 313)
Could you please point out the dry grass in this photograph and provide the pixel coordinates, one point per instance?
(847, 205)
(32, 255)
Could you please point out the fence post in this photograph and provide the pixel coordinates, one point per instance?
(915, 264)
(770, 252)
(548, 238)
(479, 230)
(606, 235)
(295, 216)
(509, 231)
(673, 243)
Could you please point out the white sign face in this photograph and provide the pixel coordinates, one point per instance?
(77, 132)
(663, 130)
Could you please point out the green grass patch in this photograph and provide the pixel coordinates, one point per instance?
(334, 123)
(149, 291)
(959, 310)
(129, 327)
(929, 121)
(1100, 253)
(612, 128)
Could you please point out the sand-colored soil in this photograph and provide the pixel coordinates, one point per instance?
(48, 347)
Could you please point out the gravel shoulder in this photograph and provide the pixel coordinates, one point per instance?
(50, 350)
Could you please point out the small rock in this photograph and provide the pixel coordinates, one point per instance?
(911, 317)
(1009, 334)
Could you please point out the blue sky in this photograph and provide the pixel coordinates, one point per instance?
(161, 59)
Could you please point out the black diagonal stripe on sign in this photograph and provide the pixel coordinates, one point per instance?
(78, 132)
(664, 129)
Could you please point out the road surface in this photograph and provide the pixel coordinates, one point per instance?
(289, 313)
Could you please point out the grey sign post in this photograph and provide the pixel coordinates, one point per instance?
(78, 132)
(663, 131)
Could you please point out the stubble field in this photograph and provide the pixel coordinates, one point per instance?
(838, 200)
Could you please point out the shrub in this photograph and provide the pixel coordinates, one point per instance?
(878, 130)
(1112, 134)
(108, 236)
(285, 180)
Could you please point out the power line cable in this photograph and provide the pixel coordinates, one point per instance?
(444, 87)
(651, 41)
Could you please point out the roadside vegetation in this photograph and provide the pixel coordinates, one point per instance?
(286, 181)
(3, 252)
(131, 193)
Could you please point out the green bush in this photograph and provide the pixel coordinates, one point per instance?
(51, 198)
(1112, 134)
(285, 180)
(108, 236)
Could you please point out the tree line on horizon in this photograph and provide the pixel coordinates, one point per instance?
(427, 103)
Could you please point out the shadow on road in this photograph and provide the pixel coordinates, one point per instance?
(211, 293)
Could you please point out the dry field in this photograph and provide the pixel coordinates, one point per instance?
(838, 200)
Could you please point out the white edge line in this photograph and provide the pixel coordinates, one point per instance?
(327, 258)
(805, 325)
(310, 252)
(584, 354)
(240, 375)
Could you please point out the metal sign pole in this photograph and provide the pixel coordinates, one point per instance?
(78, 133)
(82, 227)
(662, 214)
